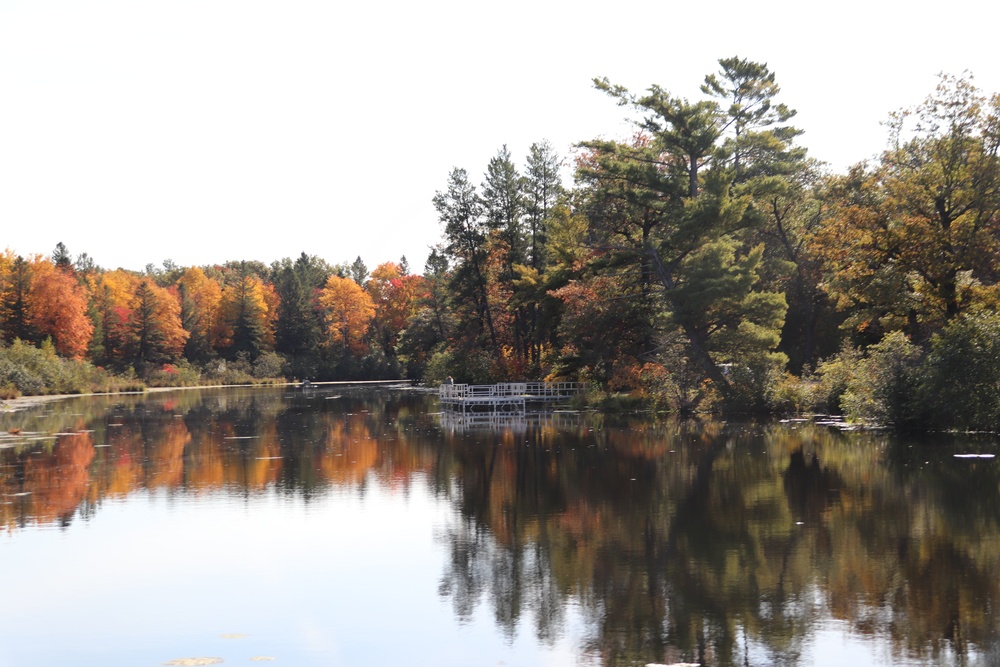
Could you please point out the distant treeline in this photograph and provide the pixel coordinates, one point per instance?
(703, 263)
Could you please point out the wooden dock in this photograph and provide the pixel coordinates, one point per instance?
(505, 398)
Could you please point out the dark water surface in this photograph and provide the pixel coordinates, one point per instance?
(361, 527)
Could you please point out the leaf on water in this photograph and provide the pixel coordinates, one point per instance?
(193, 662)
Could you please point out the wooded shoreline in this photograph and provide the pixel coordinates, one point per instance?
(705, 264)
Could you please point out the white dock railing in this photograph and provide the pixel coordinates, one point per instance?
(506, 395)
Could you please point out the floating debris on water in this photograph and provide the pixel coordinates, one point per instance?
(193, 662)
(975, 456)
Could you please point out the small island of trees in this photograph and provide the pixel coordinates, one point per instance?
(705, 263)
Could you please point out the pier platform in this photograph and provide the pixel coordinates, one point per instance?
(506, 397)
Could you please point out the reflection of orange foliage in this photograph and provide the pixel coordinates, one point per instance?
(167, 456)
(350, 451)
(229, 459)
(126, 470)
(58, 483)
(263, 460)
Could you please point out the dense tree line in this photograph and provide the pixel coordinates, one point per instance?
(705, 261)
(302, 318)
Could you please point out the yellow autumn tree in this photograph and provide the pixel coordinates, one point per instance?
(348, 312)
(111, 294)
(200, 297)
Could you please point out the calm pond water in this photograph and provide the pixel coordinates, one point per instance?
(356, 527)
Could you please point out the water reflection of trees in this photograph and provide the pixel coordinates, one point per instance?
(728, 545)
(676, 540)
(68, 457)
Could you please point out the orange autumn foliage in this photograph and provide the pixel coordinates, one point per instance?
(396, 298)
(57, 308)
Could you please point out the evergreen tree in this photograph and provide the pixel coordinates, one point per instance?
(245, 310)
(665, 208)
(14, 298)
(542, 191)
(61, 257)
(460, 210)
(758, 142)
(358, 271)
(298, 330)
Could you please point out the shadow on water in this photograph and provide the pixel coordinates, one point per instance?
(715, 543)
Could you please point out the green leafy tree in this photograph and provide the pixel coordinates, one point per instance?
(914, 240)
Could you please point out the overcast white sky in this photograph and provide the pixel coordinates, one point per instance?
(208, 130)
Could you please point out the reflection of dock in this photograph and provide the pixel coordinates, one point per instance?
(459, 422)
(505, 398)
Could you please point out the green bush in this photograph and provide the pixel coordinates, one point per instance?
(439, 367)
(269, 365)
(180, 374)
(32, 371)
(835, 375)
(886, 388)
(752, 382)
(221, 371)
(961, 385)
(794, 395)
